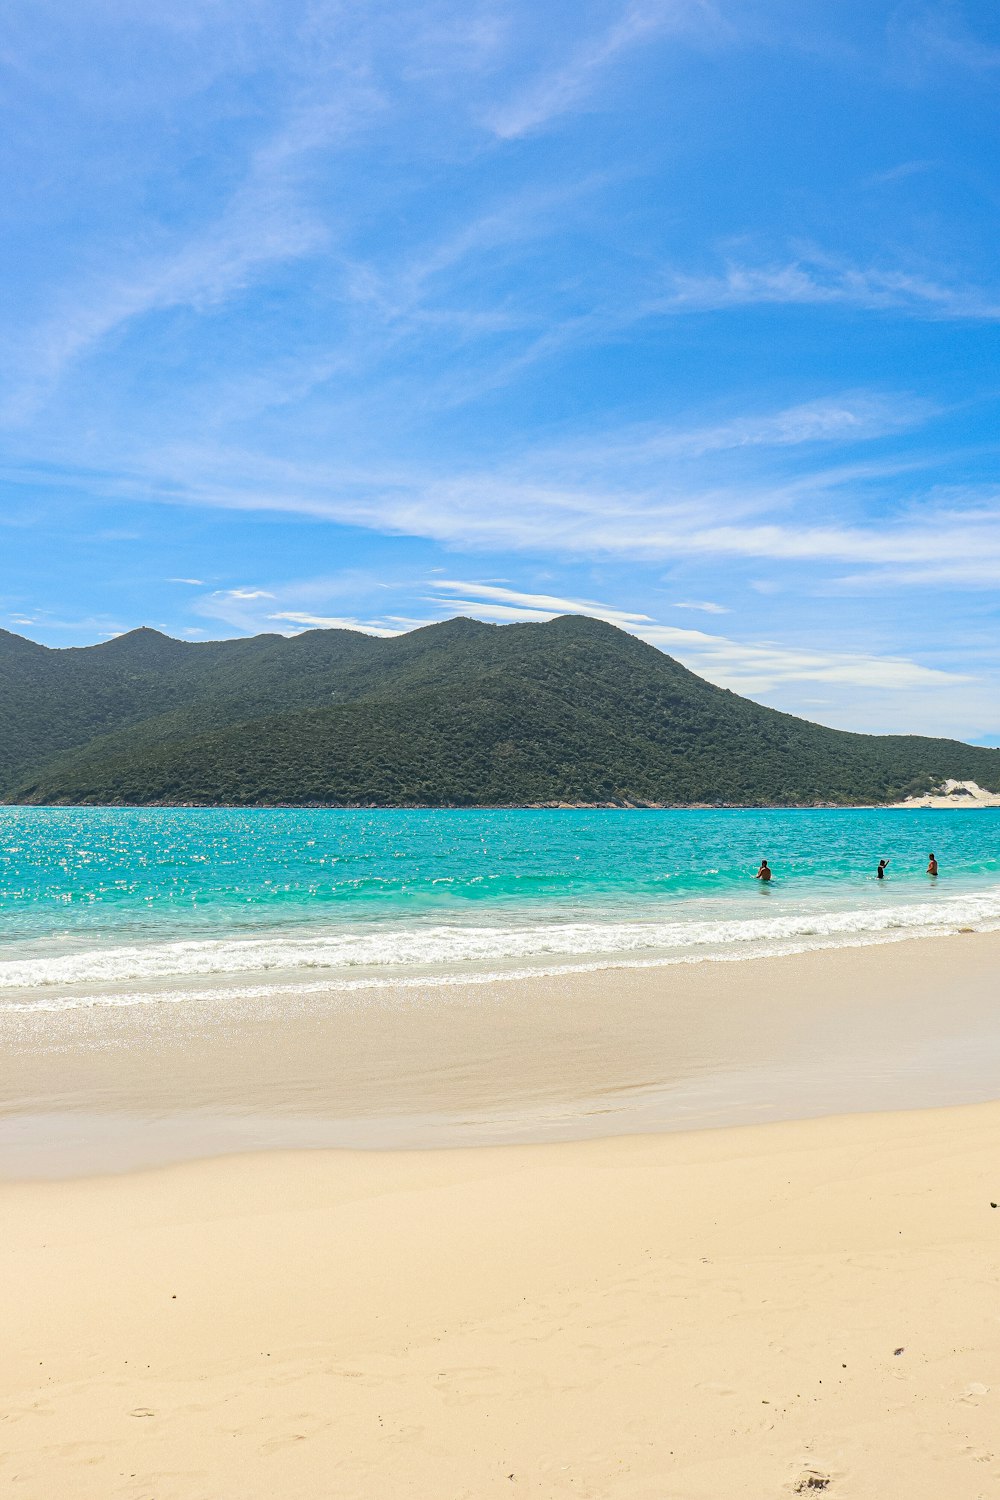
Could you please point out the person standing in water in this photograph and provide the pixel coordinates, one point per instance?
(880, 872)
(932, 867)
(764, 873)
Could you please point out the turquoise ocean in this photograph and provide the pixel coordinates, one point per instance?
(126, 906)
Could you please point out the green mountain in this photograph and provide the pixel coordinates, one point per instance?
(455, 714)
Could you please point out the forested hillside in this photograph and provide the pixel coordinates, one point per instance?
(459, 713)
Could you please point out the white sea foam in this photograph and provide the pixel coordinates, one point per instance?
(446, 954)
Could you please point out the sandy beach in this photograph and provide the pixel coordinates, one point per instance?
(760, 1310)
(774, 1310)
(499, 751)
(890, 1026)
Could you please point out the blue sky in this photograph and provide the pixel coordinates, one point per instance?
(681, 314)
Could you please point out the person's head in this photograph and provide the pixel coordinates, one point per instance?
(930, 856)
(763, 864)
(882, 863)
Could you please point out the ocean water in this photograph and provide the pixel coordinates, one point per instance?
(124, 906)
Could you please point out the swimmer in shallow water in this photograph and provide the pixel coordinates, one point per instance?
(880, 872)
(932, 867)
(764, 873)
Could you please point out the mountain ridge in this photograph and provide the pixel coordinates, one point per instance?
(458, 713)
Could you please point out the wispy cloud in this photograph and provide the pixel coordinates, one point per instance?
(265, 223)
(850, 417)
(331, 622)
(323, 602)
(757, 667)
(704, 605)
(932, 36)
(88, 626)
(514, 603)
(815, 280)
(243, 594)
(938, 536)
(900, 172)
(567, 85)
(449, 300)
(649, 494)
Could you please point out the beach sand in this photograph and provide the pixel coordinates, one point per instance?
(786, 1308)
(768, 1311)
(618, 1051)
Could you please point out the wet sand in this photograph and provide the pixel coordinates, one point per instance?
(892, 1026)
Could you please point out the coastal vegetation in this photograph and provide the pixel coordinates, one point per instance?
(453, 714)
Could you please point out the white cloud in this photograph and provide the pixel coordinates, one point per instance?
(294, 605)
(744, 666)
(332, 622)
(198, 583)
(705, 605)
(85, 628)
(544, 605)
(265, 223)
(849, 417)
(855, 416)
(631, 496)
(761, 666)
(565, 87)
(820, 280)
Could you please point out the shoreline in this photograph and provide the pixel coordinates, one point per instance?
(609, 1052)
(605, 1288)
(777, 1309)
(918, 804)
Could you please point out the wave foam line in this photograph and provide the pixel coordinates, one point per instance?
(334, 986)
(663, 943)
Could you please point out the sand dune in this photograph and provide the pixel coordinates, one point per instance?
(953, 793)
